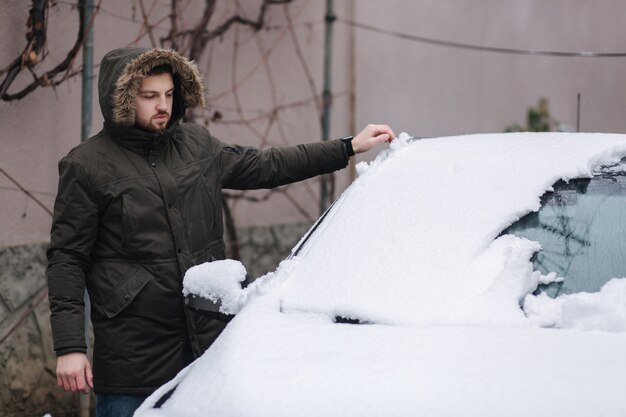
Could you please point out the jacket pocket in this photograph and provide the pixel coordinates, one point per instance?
(126, 292)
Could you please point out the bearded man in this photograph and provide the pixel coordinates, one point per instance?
(138, 204)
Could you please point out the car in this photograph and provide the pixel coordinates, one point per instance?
(470, 275)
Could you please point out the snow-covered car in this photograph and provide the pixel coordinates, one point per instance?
(425, 291)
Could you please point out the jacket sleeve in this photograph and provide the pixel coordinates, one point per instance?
(250, 168)
(74, 230)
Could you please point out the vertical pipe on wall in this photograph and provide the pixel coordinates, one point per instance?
(85, 130)
(326, 95)
(352, 46)
(578, 112)
(87, 13)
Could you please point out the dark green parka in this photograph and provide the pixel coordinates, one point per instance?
(135, 210)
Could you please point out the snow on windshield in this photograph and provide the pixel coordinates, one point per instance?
(414, 239)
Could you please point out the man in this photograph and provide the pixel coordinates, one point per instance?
(138, 204)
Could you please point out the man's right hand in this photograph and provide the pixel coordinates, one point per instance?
(74, 372)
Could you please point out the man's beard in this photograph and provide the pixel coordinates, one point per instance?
(154, 126)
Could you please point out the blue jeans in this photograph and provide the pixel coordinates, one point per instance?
(113, 405)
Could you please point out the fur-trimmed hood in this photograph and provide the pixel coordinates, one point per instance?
(121, 72)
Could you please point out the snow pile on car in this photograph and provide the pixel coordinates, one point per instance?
(604, 310)
(218, 281)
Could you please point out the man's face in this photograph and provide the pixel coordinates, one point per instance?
(153, 106)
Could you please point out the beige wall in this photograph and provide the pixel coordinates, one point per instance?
(423, 89)
(432, 90)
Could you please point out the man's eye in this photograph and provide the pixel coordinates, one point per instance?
(169, 95)
(148, 96)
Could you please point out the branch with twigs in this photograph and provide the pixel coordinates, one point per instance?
(36, 37)
(36, 40)
(199, 36)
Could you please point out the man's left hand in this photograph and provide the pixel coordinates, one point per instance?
(371, 136)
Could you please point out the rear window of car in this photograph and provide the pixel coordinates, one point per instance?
(581, 226)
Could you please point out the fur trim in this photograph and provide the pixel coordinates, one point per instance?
(127, 86)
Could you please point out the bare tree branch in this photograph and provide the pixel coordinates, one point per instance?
(204, 35)
(264, 57)
(233, 69)
(172, 34)
(65, 66)
(197, 44)
(147, 24)
(303, 63)
(36, 38)
(25, 191)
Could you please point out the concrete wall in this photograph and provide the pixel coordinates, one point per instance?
(27, 361)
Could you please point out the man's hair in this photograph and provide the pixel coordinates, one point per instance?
(161, 69)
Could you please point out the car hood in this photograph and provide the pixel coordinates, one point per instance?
(268, 363)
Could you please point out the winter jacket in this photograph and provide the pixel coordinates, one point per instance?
(135, 210)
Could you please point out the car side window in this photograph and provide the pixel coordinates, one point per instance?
(581, 226)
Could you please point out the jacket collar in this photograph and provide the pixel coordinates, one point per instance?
(138, 140)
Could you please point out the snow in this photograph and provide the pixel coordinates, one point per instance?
(604, 310)
(427, 215)
(217, 281)
(413, 248)
(271, 364)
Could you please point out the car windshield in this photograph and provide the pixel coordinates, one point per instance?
(581, 226)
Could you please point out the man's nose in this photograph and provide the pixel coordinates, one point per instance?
(162, 103)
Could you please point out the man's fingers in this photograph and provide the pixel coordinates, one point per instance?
(62, 383)
(383, 129)
(371, 136)
(80, 383)
(72, 381)
(89, 375)
(66, 384)
(382, 138)
(390, 135)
